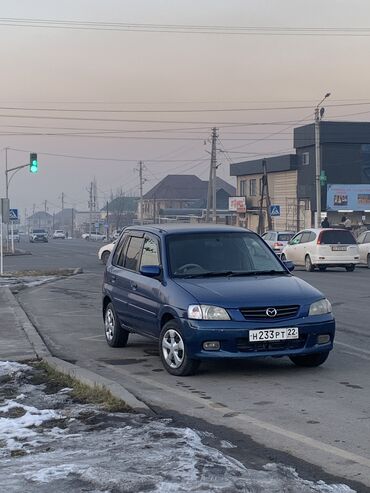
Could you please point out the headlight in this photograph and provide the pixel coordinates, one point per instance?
(320, 307)
(207, 312)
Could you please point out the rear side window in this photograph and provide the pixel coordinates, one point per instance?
(285, 236)
(337, 237)
(133, 253)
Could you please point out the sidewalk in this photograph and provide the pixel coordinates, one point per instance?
(14, 343)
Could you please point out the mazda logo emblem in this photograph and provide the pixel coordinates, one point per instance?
(271, 312)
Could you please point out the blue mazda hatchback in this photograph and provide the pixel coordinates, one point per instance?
(211, 291)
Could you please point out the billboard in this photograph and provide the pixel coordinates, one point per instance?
(237, 204)
(348, 197)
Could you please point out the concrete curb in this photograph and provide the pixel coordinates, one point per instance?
(94, 380)
(83, 375)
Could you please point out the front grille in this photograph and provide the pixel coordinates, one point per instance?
(259, 313)
(244, 345)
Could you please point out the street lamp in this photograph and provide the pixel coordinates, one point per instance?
(319, 112)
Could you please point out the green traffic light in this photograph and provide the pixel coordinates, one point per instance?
(34, 166)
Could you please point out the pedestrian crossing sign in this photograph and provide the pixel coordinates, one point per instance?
(13, 214)
(275, 210)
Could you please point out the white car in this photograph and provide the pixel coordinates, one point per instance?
(323, 248)
(277, 240)
(15, 236)
(364, 246)
(105, 251)
(59, 234)
(94, 236)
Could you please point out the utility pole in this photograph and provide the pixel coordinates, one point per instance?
(90, 207)
(141, 190)
(212, 183)
(62, 199)
(265, 197)
(107, 220)
(319, 113)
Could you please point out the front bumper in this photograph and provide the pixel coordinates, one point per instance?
(234, 338)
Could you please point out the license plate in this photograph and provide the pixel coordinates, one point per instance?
(339, 248)
(273, 334)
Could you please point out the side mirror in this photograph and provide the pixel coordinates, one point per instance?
(289, 265)
(150, 270)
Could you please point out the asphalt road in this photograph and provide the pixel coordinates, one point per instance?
(55, 254)
(320, 415)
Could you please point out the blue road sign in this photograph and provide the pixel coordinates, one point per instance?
(275, 210)
(13, 215)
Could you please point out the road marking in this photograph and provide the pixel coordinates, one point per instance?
(249, 420)
(352, 347)
(93, 338)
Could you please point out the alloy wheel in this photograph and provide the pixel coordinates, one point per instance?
(109, 324)
(173, 348)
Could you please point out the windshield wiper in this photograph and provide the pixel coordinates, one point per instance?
(271, 272)
(234, 273)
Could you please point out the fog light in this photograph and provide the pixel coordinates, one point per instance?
(323, 338)
(211, 345)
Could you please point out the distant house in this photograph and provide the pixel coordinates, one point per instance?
(40, 219)
(183, 194)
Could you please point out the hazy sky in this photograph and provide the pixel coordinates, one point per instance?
(49, 69)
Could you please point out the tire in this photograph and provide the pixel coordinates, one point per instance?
(308, 264)
(105, 257)
(283, 257)
(311, 360)
(114, 334)
(173, 352)
(322, 268)
(350, 268)
(368, 261)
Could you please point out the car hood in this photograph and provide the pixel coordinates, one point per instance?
(234, 292)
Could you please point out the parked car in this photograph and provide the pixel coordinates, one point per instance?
(364, 246)
(15, 236)
(116, 234)
(211, 292)
(94, 236)
(59, 234)
(39, 235)
(105, 251)
(278, 239)
(323, 248)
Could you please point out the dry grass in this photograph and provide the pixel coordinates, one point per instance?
(83, 393)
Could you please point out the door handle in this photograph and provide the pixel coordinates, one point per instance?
(113, 278)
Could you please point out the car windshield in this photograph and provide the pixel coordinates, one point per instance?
(39, 231)
(220, 254)
(285, 236)
(335, 236)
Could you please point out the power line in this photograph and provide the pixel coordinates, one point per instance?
(94, 158)
(187, 28)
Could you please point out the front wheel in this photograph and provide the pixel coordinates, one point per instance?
(308, 264)
(283, 257)
(310, 360)
(173, 351)
(114, 334)
(350, 268)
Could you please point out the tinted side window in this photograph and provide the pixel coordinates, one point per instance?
(305, 237)
(133, 253)
(296, 239)
(367, 238)
(120, 251)
(150, 254)
(337, 236)
(312, 236)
